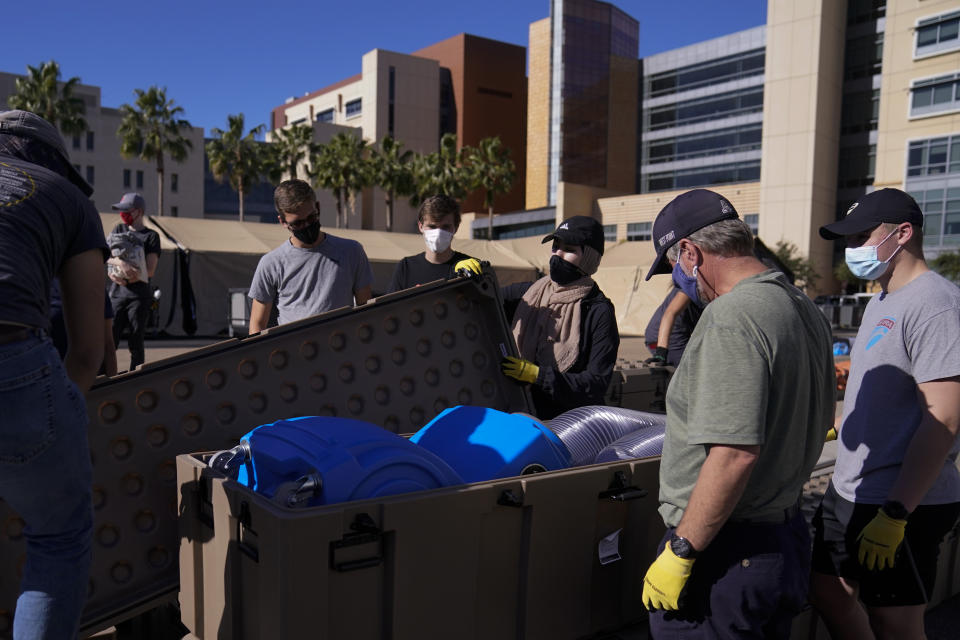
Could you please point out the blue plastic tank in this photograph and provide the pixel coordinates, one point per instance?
(311, 461)
(483, 444)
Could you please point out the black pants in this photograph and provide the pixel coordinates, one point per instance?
(132, 313)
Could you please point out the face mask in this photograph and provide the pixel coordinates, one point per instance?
(127, 217)
(863, 261)
(563, 272)
(438, 240)
(309, 233)
(687, 284)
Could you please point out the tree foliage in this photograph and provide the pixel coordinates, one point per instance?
(948, 265)
(341, 165)
(42, 93)
(493, 171)
(291, 146)
(392, 170)
(805, 276)
(150, 129)
(236, 156)
(442, 172)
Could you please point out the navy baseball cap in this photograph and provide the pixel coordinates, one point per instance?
(687, 213)
(579, 230)
(886, 205)
(29, 125)
(130, 201)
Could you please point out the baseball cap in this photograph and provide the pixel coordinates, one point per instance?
(687, 213)
(29, 125)
(130, 201)
(886, 205)
(579, 230)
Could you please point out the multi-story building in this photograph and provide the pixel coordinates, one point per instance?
(466, 85)
(96, 155)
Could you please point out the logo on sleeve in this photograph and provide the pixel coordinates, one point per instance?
(883, 327)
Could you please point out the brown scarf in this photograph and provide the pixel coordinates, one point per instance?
(546, 325)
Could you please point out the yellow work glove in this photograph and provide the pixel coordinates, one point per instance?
(665, 580)
(468, 267)
(832, 434)
(519, 369)
(879, 541)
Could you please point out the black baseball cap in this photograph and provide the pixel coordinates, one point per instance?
(687, 213)
(29, 125)
(886, 205)
(579, 230)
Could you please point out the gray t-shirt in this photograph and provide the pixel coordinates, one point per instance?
(906, 337)
(758, 370)
(305, 282)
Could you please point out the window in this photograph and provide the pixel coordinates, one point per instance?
(719, 141)
(941, 215)
(609, 233)
(934, 156)
(174, 182)
(860, 111)
(753, 221)
(711, 108)
(704, 74)
(938, 34)
(90, 174)
(639, 231)
(126, 178)
(89, 140)
(935, 95)
(325, 116)
(139, 179)
(76, 142)
(354, 107)
(174, 211)
(704, 176)
(863, 56)
(857, 165)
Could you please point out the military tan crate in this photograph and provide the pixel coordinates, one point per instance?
(513, 558)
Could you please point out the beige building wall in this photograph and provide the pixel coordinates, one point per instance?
(622, 210)
(901, 67)
(538, 114)
(580, 200)
(106, 166)
(335, 97)
(622, 128)
(801, 120)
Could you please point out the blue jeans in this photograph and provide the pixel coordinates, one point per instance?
(45, 476)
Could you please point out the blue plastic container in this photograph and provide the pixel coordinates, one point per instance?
(483, 444)
(321, 460)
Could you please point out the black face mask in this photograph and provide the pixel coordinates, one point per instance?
(563, 272)
(309, 233)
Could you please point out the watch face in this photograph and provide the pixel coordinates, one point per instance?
(681, 547)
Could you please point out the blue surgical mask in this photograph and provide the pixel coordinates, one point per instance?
(687, 284)
(863, 261)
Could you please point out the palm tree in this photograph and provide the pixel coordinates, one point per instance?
(392, 172)
(493, 171)
(442, 172)
(290, 147)
(42, 93)
(341, 166)
(151, 129)
(236, 156)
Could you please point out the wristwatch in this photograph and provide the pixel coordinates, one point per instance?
(682, 548)
(895, 510)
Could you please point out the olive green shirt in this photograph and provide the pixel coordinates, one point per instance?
(758, 370)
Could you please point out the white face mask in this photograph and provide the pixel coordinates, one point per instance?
(437, 240)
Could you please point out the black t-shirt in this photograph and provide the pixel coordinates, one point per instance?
(151, 244)
(682, 327)
(414, 270)
(44, 220)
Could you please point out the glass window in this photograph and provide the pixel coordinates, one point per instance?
(938, 34)
(703, 74)
(126, 178)
(610, 232)
(174, 211)
(139, 179)
(174, 182)
(935, 95)
(639, 231)
(76, 142)
(90, 175)
(325, 116)
(934, 156)
(753, 221)
(89, 140)
(710, 108)
(354, 107)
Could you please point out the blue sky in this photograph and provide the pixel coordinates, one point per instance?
(217, 58)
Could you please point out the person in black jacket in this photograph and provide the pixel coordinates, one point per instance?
(565, 328)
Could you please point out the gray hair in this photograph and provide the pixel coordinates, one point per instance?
(727, 238)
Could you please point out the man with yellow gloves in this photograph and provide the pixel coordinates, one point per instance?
(895, 491)
(565, 328)
(747, 411)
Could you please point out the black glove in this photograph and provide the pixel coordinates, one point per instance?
(659, 358)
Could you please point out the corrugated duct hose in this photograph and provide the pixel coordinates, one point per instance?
(586, 431)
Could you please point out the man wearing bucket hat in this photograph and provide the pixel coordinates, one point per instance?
(48, 226)
(895, 490)
(565, 328)
(747, 411)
